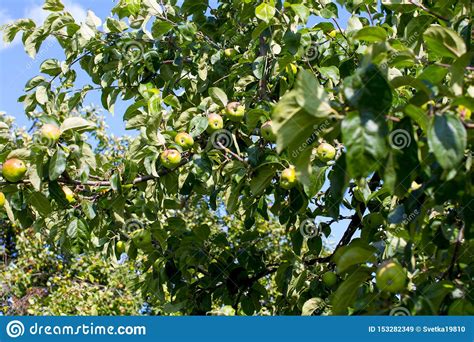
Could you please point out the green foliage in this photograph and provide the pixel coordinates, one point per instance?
(392, 92)
(40, 282)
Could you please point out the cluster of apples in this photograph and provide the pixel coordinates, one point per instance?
(325, 152)
(390, 277)
(14, 169)
(171, 158)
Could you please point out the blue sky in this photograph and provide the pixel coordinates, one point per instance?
(16, 68)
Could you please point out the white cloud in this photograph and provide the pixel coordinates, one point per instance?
(5, 18)
(39, 15)
(76, 10)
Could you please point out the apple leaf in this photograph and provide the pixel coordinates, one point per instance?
(444, 42)
(371, 34)
(262, 179)
(346, 293)
(219, 96)
(301, 10)
(364, 136)
(447, 139)
(354, 255)
(365, 86)
(77, 124)
(53, 5)
(51, 67)
(57, 164)
(41, 203)
(265, 12)
(311, 305)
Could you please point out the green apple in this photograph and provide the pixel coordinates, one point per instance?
(142, 238)
(235, 111)
(184, 140)
(70, 196)
(120, 247)
(267, 132)
(170, 158)
(329, 279)
(288, 178)
(14, 170)
(326, 152)
(50, 133)
(215, 122)
(2, 199)
(391, 277)
(230, 52)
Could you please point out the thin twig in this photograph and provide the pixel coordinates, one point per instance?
(345, 37)
(370, 15)
(355, 223)
(470, 68)
(426, 9)
(233, 154)
(455, 257)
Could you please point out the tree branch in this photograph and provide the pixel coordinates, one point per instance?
(271, 269)
(235, 155)
(106, 183)
(455, 257)
(355, 223)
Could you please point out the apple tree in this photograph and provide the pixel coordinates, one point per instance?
(248, 116)
(37, 281)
